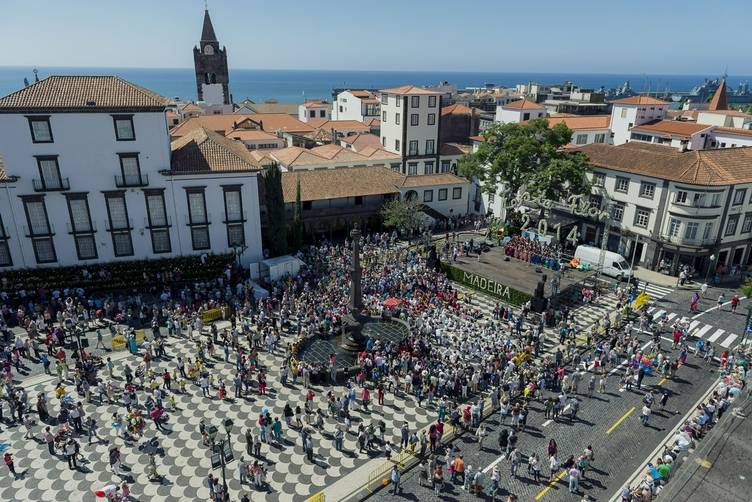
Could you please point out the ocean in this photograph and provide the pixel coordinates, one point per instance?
(293, 86)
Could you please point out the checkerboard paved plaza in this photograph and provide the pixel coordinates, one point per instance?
(185, 461)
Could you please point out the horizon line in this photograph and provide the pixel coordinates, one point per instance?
(372, 71)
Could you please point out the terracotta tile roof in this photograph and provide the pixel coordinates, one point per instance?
(360, 93)
(339, 125)
(372, 122)
(640, 100)
(699, 167)
(328, 154)
(432, 179)
(728, 113)
(683, 114)
(456, 109)
(719, 101)
(322, 184)
(523, 104)
(672, 127)
(269, 122)
(453, 149)
(733, 130)
(204, 151)
(369, 101)
(582, 122)
(480, 139)
(315, 103)
(251, 135)
(82, 93)
(360, 141)
(190, 107)
(410, 89)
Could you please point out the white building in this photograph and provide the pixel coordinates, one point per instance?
(88, 178)
(356, 104)
(726, 137)
(314, 109)
(633, 111)
(675, 133)
(519, 111)
(410, 127)
(586, 129)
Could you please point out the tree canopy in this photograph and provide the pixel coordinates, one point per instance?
(275, 231)
(404, 215)
(531, 156)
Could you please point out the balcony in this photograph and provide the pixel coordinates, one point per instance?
(683, 241)
(51, 185)
(688, 209)
(92, 228)
(141, 180)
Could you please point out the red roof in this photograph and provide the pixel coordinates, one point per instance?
(672, 127)
(640, 100)
(719, 101)
(523, 104)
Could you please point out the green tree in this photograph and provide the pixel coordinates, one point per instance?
(297, 220)
(531, 156)
(275, 235)
(404, 215)
(746, 288)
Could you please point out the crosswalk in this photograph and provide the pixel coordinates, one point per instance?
(700, 330)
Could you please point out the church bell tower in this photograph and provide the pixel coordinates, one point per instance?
(210, 62)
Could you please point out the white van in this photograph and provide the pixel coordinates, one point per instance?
(614, 264)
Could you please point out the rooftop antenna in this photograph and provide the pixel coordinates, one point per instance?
(26, 82)
(36, 75)
(206, 4)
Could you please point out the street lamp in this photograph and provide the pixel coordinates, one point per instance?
(228, 423)
(710, 265)
(221, 451)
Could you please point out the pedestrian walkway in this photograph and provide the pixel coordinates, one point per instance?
(700, 330)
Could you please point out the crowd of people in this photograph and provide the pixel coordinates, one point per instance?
(450, 360)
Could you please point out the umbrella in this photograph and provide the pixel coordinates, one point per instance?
(106, 491)
(392, 302)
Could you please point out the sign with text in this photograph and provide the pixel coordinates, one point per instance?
(486, 285)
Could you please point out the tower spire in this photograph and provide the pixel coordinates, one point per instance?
(207, 33)
(719, 101)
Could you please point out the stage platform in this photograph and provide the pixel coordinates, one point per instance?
(517, 274)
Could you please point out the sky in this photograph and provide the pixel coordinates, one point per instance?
(587, 36)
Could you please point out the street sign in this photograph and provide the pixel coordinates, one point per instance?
(216, 457)
(229, 457)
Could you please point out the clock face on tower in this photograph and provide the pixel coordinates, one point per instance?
(208, 50)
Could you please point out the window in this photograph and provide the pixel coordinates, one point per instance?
(445, 166)
(681, 197)
(413, 119)
(413, 147)
(49, 175)
(642, 217)
(731, 224)
(80, 218)
(716, 200)
(119, 223)
(647, 190)
(41, 132)
(312, 113)
(158, 222)
(698, 200)
(383, 141)
(739, 195)
(396, 145)
(706, 231)
(385, 99)
(599, 179)
(358, 200)
(397, 118)
(432, 101)
(6, 260)
(622, 184)
(747, 224)
(414, 101)
(525, 116)
(235, 235)
(307, 205)
(395, 167)
(623, 113)
(124, 127)
(383, 117)
(412, 168)
(233, 205)
(431, 119)
(491, 198)
(428, 168)
(457, 193)
(130, 170)
(322, 113)
(443, 193)
(673, 227)
(600, 138)
(430, 144)
(581, 139)
(427, 195)
(617, 212)
(691, 231)
(39, 230)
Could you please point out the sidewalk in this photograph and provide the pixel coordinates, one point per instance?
(658, 278)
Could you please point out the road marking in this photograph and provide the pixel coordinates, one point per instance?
(544, 424)
(693, 325)
(704, 330)
(492, 464)
(623, 417)
(662, 381)
(715, 336)
(551, 485)
(671, 316)
(716, 307)
(728, 341)
(658, 314)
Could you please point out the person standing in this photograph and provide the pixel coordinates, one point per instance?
(395, 479)
(8, 459)
(734, 303)
(574, 479)
(70, 454)
(645, 414)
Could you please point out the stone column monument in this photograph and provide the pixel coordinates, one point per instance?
(352, 323)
